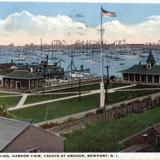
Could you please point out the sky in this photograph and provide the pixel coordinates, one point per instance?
(26, 22)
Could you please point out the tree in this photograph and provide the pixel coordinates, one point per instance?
(3, 111)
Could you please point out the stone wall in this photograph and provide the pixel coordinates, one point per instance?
(115, 112)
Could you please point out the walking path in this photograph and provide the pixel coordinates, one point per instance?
(118, 88)
(21, 103)
(82, 114)
(76, 92)
(3, 91)
(3, 96)
(52, 100)
(139, 89)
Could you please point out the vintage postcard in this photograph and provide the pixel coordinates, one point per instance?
(79, 77)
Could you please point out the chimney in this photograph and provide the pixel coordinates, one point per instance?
(81, 67)
(145, 139)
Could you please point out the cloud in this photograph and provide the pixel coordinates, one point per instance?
(146, 31)
(24, 27)
(79, 15)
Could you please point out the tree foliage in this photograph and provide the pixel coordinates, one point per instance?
(3, 110)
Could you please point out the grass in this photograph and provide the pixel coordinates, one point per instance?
(57, 109)
(70, 106)
(116, 97)
(5, 94)
(9, 101)
(91, 87)
(104, 136)
(38, 98)
(115, 85)
(83, 88)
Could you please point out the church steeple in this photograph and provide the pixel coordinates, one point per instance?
(150, 60)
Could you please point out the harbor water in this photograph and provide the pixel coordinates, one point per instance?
(116, 62)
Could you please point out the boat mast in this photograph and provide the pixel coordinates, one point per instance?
(41, 49)
(52, 53)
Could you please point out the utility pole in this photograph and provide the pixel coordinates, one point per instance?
(43, 83)
(71, 67)
(79, 88)
(52, 51)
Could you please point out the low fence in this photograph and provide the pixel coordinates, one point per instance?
(115, 112)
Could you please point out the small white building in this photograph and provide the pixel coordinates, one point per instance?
(148, 73)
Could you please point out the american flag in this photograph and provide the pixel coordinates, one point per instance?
(108, 13)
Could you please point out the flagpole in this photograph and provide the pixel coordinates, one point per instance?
(102, 92)
(101, 48)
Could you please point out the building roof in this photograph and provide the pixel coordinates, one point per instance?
(150, 58)
(6, 66)
(9, 130)
(3, 72)
(22, 74)
(141, 69)
(136, 148)
(135, 134)
(156, 127)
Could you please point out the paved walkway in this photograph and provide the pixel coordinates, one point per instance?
(140, 89)
(21, 104)
(3, 91)
(3, 96)
(22, 101)
(53, 100)
(118, 88)
(81, 114)
(35, 94)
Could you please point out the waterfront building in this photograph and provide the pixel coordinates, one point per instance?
(148, 73)
(22, 80)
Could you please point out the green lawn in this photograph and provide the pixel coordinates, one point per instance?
(126, 95)
(38, 98)
(67, 107)
(5, 94)
(91, 87)
(57, 109)
(83, 88)
(10, 101)
(104, 136)
(115, 85)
